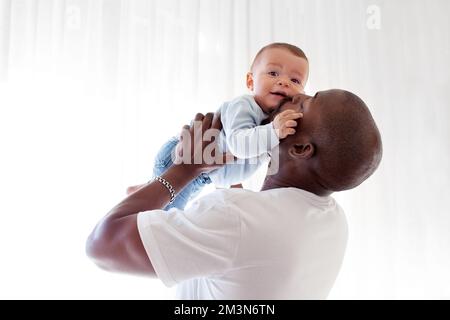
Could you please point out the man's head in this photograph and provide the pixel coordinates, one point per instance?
(336, 146)
(278, 70)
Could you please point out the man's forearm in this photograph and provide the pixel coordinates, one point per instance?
(154, 195)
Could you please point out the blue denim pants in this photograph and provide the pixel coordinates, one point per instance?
(163, 161)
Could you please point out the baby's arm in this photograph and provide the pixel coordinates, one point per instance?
(246, 138)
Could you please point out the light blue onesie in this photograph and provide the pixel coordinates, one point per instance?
(242, 135)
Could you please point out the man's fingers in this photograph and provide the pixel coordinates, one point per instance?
(216, 123)
(185, 130)
(207, 120)
(198, 117)
(179, 149)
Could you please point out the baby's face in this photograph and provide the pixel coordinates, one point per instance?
(277, 74)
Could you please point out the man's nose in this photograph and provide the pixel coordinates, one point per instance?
(299, 98)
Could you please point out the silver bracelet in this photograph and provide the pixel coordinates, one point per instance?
(168, 186)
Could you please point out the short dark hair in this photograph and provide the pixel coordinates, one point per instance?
(348, 142)
(291, 48)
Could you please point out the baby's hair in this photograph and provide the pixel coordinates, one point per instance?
(291, 48)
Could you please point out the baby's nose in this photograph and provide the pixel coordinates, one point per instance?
(283, 82)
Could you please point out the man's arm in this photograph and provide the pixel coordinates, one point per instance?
(115, 243)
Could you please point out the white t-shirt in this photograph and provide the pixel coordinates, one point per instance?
(283, 243)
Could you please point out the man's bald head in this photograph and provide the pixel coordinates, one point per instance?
(337, 136)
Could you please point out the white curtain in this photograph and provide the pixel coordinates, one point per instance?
(90, 89)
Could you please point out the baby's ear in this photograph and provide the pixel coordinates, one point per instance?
(250, 80)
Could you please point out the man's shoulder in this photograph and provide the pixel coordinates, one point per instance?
(280, 196)
(238, 195)
(228, 196)
(224, 199)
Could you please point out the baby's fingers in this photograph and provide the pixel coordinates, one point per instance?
(295, 115)
(291, 123)
(290, 131)
(289, 114)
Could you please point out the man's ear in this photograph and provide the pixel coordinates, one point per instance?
(250, 80)
(302, 150)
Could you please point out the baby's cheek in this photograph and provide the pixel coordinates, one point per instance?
(299, 90)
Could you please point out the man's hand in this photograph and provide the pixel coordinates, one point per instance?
(285, 124)
(198, 147)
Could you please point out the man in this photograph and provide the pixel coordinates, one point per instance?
(285, 242)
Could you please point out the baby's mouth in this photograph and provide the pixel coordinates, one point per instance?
(281, 94)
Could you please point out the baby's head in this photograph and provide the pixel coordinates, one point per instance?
(279, 70)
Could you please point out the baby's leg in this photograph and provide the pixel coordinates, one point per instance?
(163, 161)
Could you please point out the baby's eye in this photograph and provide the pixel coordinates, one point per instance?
(296, 81)
(272, 73)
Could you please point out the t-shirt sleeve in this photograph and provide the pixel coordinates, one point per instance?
(201, 241)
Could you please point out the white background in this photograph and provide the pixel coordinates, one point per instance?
(89, 90)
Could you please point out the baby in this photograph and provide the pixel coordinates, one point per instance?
(278, 72)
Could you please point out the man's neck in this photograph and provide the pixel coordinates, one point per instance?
(280, 181)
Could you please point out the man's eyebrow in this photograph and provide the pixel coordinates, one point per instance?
(315, 96)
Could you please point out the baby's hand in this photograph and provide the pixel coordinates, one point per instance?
(284, 123)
